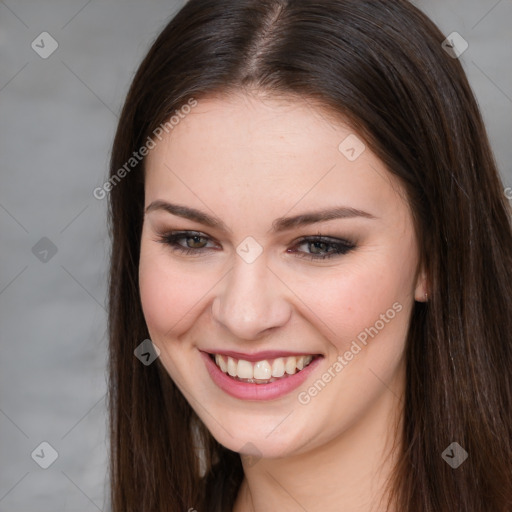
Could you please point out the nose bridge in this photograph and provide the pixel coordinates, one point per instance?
(251, 300)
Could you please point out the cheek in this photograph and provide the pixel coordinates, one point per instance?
(346, 302)
(168, 295)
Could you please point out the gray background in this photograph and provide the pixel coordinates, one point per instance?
(57, 120)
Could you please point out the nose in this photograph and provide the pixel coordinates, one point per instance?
(251, 300)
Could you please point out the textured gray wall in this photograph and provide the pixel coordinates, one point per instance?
(57, 119)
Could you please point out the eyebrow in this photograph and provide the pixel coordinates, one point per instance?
(279, 224)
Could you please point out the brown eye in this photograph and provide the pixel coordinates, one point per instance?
(318, 247)
(321, 248)
(196, 241)
(188, 242)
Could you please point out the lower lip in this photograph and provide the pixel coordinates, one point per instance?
(251, 391)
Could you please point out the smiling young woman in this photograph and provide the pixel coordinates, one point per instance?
(320, 249)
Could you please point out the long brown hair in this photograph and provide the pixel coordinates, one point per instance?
(380, 65)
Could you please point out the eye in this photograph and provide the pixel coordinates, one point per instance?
(186, 242)
(322, 247)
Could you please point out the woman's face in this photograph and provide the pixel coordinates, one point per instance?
(274, 239)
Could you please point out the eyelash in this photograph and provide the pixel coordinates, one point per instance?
(341, 247)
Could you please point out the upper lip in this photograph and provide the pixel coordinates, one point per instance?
(259, 356)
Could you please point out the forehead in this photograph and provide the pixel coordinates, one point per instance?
(264, 150)
(250, 125)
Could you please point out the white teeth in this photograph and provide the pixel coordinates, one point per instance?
(290, 365)
(221, 363)
(262, 370)
(244, 370)
(278, 367)
(232, 367)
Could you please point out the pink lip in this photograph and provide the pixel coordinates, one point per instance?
(257, 356)
(249, 391)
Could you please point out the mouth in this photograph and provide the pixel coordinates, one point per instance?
(264, 371)
(263, 376)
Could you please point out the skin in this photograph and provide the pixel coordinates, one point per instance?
(249, 159)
